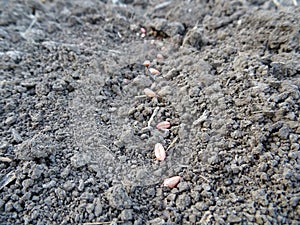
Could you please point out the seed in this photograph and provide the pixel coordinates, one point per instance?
(163, 125)
(154, 71)
(143, 30)
(159, 56)
(146, 63)
(172, 181)
(150, 93)
(160, 152)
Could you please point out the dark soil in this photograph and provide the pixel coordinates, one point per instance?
(76, 147)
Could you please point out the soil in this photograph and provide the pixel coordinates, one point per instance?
(78, 132)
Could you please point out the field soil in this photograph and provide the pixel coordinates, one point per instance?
(78, 129)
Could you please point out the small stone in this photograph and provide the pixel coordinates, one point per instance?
(35, 198)
(69, 185)
(171, 74)
(193, 38)
(235, 169)
(50, 184)
(183, 186)
(81, 185)
(293, 138)
(206, 187)
(90, 208)
(201, 206)
(37, 172)
(233, 219)
(61, 194)
(90, 181)
(144, 136)
(126, 214)
(295, 147)
(287, 173)
(213, 159)
(118, 197)
(59, 85)
(171, 197)
(141, 81)
(35, 214)
(183, 201)
(28, 84)
(165, 91)
(9, 206)
(40, 146)
(151, 192)
(284, 132)
(10, 120)
(295, 201)
(41, 89)
(65, 172)
(48, 201)
(27, 183)
(80, 160)
(98, 208)
(16, 136)
(156, 221)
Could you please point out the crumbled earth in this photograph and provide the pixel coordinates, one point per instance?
(78, 133)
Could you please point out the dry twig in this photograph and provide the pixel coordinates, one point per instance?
(152, 116)
(172, 143)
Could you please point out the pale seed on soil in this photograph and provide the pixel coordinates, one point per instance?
(159, 56)
(143, 30)
(172, 181)
(163, 125)
(150, 93)
(160, 152)
(146, 63)
(154, 71)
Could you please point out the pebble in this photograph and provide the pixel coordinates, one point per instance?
(81, 185)
(90, 208)
(201, 206)
(61, 194)
(59, 85)
(193, 38)
(50, 184)
(126, 215)
(118, 198)
(42, 89)
(183, 186)
(65, 172)
(183, 201)
(9, 206)
(144, 136)
(16, 136)
(98, 208)
(235, 169)
(27, 183)
(37, 172)
(10, 120)
(295, 147)
(69, 185)
(284, 132)
(233, 219)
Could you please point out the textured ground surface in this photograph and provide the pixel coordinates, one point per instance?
(75, 145)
